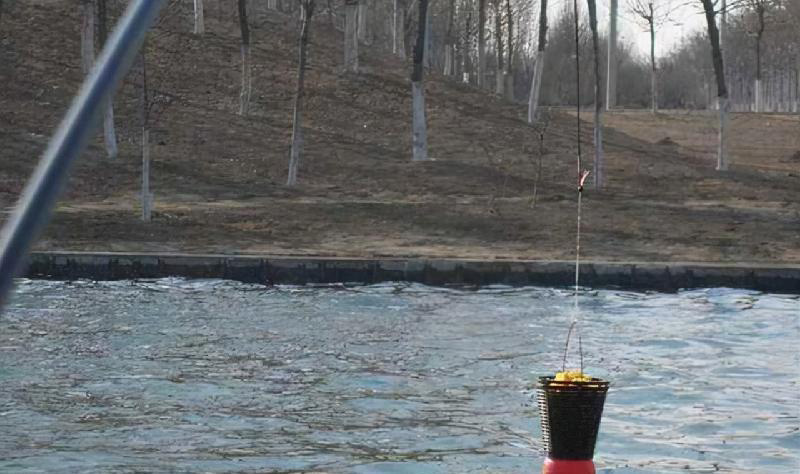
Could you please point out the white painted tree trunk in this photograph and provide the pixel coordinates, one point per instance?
(759, 90)
(89, 15)
(400, 29)
(87, 36)
(599, 156)
(653, 77)
(363, 17)
(247, 81)
(538, 67)
(199, 21)
(611, 82)
(722, 147)
(419, 124)
(297, 119)
(449, 60)
(499, 82)
(351, 36)
(109, 133)
(599, 165)
(147, 197)
(536, 86)
(297, 143)
(395, 29)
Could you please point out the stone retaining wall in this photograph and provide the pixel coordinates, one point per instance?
(438, 272)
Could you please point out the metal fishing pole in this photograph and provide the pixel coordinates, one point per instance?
(70, 139)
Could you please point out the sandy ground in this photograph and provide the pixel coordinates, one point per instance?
(218, 177)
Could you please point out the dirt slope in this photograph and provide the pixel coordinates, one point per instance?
(218, 177)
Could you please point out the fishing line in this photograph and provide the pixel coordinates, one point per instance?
(575, 325)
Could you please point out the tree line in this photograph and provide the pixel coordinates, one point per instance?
(746, 59)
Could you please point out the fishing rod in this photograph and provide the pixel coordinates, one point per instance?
(34, 208)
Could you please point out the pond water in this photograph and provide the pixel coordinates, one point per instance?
(213, 376)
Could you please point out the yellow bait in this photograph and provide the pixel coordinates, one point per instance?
(572, 376)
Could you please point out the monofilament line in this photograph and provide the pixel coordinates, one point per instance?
(575, 324)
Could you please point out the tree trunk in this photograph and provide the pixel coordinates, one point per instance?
(448, 60)
(723, 29)
(419, 141)
(351, 36)
(395, 35)
(613, 66)
(481, 43)
(427, 55)
(467, 49)
(759, 36)
(244, 27)
(147, 198)
(307, 9)
(199, 22)
(722, 90)
(759, 86)
(498, 37)
(87, 36)
(109, 131)
(363, 17)
(144, 103)
(653, 78)
(536, 82)
(400, 29)
(598, 100)
(449, 43)
(509, 72)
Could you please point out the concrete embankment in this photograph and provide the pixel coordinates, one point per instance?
(439, 272)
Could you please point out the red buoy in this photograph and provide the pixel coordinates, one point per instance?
(559, 466)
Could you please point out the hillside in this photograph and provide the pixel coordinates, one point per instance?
(218, 178)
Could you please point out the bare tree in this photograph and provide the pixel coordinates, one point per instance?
(419, 143)
(351, 36)
(307, 10)
(199, 21)
(598, 99)
(652, 16)
(247, 84)
(722, 90)
(536, 82)
(613, 65)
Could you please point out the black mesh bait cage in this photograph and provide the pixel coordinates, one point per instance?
(570, 413)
